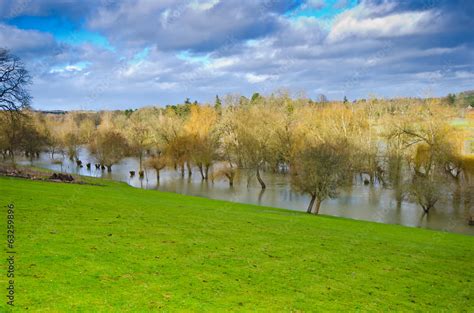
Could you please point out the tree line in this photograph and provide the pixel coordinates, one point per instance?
(408, 145)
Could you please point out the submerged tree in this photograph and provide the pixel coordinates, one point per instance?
(426, 190)
(320, 171)
(254, 130)
(202, 138)
(138, 133)
(228, 172)
(109, 147)
(157, 162)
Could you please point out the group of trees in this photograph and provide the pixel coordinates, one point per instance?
(407, 145)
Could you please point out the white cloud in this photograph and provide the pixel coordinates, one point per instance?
(167, 85)
(203, 5)
(254, 78)
(361, 22)
(222, 63)
(25, 40)
(78, 67)
(435, 75)
(464, 74)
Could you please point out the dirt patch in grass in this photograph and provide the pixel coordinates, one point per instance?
(32, 174)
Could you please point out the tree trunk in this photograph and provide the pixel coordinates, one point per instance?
(157, 174)
(311, 203)
(109, 168)
(262, 183)
(230, 177)
(12, 154)
(318, 206)
(206, 172)
(201, 171)
(190, 171)
(140, 155)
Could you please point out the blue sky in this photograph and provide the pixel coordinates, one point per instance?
(62, 28)
(110, 54)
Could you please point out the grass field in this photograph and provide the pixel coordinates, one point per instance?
(112, 247)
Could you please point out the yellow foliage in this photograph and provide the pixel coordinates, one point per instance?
(201, 121)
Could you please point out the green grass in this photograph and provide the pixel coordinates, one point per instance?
(116, 248)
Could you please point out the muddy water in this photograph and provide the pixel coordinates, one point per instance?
(371, 203)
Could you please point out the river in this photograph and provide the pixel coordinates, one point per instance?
(361, 202)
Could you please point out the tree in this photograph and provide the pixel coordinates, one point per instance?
(256, 97)
(21, 133)
(36, 134)
(71, 137)
(227, 171)
(14, 79)
(450, 98)
(169, 136)
(138, 133)
(157, 162)
(53, 134)
(322, 98)
(13, 128)
(426, 190)
(254, 136)
(218, 104)
(396, 156)
(10, 133)
(430, 143)
(200, 129)
(109, 147)
(14, 97)
(320, 171)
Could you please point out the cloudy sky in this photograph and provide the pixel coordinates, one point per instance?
(105, 54)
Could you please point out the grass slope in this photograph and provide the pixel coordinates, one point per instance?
(113, 247)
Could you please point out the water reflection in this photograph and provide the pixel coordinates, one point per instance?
(371, 203)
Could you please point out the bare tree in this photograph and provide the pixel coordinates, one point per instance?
(14, 79)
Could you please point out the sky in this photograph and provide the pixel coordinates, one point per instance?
(120, 54)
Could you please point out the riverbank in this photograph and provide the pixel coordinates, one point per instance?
(113, 247)
(361, 202)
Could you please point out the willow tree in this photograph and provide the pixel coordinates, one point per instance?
(19, 133)
(321, 170)
(200, 129)
(109, 147)
(138, 133)
(157, 162)
(425, 133)
(254, 128)
(169, 135)
(71, 135)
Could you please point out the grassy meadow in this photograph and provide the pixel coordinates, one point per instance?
(111, 247)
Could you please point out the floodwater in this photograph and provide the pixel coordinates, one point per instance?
(370, 203)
